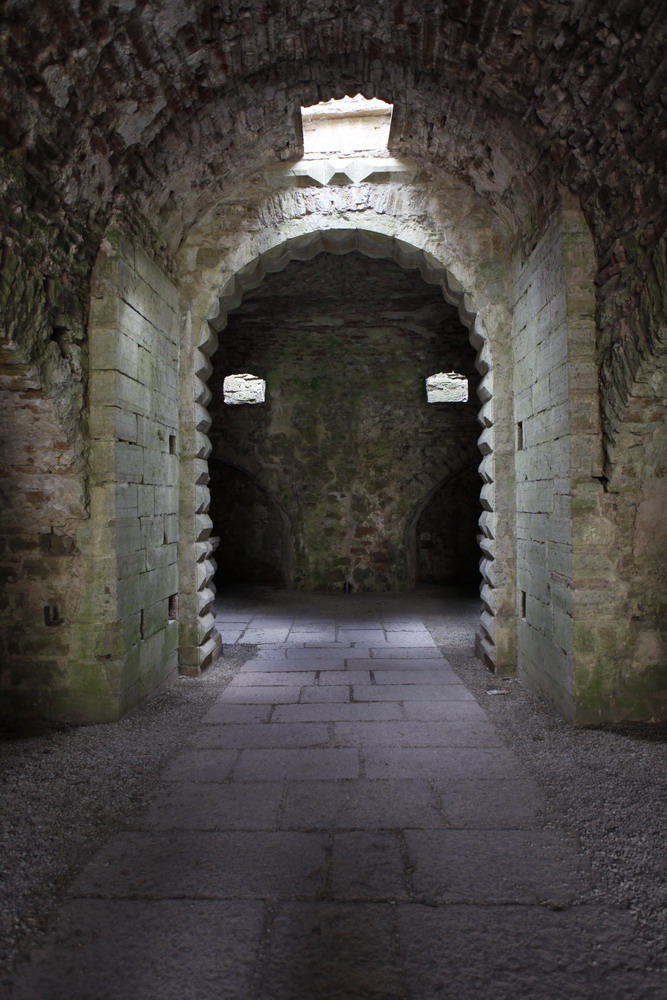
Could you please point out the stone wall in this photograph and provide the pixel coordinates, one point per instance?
(560, 551)
(447, 549)
(346, 442)
(252, 533)
(126, 635)
(42, 464)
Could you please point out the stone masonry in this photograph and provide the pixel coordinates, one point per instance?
(153, 173)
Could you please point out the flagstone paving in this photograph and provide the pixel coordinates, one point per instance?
(346, 823)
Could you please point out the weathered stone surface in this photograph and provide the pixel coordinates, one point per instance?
(447, 387)
(150, 131)
(243, 389)
(343, 343)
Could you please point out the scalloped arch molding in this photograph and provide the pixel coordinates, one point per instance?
(304, 247)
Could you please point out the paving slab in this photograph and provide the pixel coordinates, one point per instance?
(492, 805)
(438, 675)
(201, 765)
(365, 637)
(339, 652)
(224, 806)
(257, 636)
(274, 678)
(279, 664)
(348, 676)
(447, 764)
(410, 639)
(221, 713)
(243, 694)
(406, 653)
(494, 866)
(230, 636)
(444, 711)
(326, 693)
(415, 734)
(337, 711)
(362, 804)
(415, 663)
(530, 952)
(312, 847)
(368, 865)
(136, 949)
(296, 734)
(272, 765)
(411, 692)
(332, 951)
(230, 865)
(314, 636)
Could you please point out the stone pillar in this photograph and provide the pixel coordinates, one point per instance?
(126, 635)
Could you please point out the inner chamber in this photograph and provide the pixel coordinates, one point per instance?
(345, 474)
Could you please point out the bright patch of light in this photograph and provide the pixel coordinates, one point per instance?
(348, 126)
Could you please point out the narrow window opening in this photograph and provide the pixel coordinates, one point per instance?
(141, 625)
(348, 126)
(522, 604)
(51, 615)
(243, 388)
(172, 608)
(172, 444)
(520, 443)
(447, 387)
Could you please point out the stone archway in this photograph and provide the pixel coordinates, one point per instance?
(494, 639)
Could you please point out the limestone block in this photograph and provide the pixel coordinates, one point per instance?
(129, 596)
(487, 523)
(158, 583)
(171, 528)
(103, 421)
(131, 563)
(203, 527)
(485, 388)
(155, 618)
(488, 623)
(145, 500)
(487, 546)
(127, 500)
(447, 387)
(485, 442)
(486, 469)
(485, 414)
(244, 388)
(166, 499)
(152, 531)
(203, 445)
(204, 600)
(110, 388)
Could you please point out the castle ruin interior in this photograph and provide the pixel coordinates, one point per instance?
(341, 200)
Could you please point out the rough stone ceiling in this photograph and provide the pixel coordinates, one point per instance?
(173, 101)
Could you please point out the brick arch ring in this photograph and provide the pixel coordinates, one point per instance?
(197, 550)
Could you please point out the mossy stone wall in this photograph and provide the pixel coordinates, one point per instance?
(346, 442)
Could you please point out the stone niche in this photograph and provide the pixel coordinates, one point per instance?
(346, 448)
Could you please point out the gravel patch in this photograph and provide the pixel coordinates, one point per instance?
(606, 785)
(65, 789)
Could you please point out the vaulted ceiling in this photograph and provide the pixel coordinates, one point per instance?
(172, 102)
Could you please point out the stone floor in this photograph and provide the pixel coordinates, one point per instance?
(345, 824)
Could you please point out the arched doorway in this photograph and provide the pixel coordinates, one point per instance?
(250, 530)
(444, 531)
(274, 252)
(346, 439)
